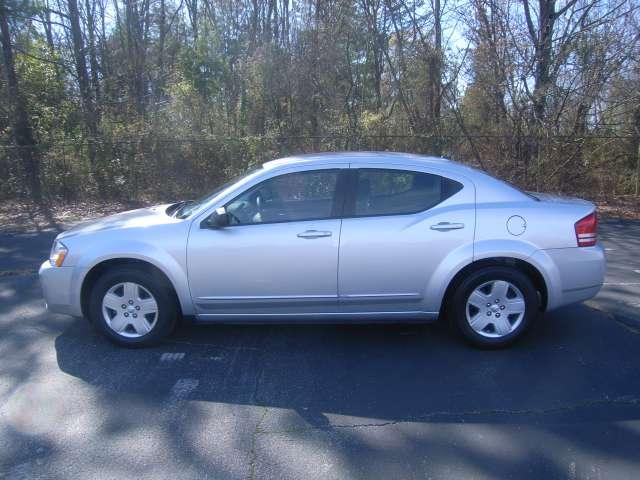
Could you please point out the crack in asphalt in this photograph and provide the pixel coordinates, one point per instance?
(24, 272)
(253, 456)
(619, 319)
(624, 324)
(620, 401)
(221, 347)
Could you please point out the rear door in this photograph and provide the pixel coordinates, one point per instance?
(399, 226)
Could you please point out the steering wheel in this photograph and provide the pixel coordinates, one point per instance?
(258, 200)
(232, 218)
(238, 207)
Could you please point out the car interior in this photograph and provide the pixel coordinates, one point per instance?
(298, 196)
(310, 195)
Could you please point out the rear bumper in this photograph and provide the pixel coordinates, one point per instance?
(57, 288)
(573, 274)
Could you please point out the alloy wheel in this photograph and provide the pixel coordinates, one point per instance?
(495, 308)
(129, 309)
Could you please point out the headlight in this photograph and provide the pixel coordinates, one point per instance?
(58, 253)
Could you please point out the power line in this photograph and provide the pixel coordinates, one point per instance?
(284, 138)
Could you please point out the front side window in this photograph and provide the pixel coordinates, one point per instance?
(396, 192)
(287, 198)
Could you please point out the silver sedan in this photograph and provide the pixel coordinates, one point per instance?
(344, 237)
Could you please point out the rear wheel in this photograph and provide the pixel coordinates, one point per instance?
(133, 308)
(494, 306)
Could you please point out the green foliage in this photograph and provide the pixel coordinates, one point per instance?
(178, 109)
(202, 66)
(44, 89)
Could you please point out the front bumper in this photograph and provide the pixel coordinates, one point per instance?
(57, 287)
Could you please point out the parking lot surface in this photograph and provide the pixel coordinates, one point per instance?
(320, 402)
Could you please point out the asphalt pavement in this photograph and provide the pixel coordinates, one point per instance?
(321, 402)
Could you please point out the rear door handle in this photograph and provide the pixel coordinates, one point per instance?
(314, 234)
(446, 226)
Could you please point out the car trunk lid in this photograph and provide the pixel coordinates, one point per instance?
(555, 198)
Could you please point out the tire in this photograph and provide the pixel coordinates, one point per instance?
(142, 289)
(487, 321)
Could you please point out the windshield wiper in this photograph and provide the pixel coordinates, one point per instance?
(175, 207)
(183, 205)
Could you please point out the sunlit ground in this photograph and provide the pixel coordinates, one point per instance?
(323, 401)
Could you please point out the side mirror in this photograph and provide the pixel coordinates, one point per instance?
(218, 219)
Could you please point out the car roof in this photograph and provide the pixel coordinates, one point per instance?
(342, 157)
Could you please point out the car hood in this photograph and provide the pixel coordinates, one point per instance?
(141, 217)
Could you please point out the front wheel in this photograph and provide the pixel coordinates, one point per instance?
(494, 306)
(133, 308)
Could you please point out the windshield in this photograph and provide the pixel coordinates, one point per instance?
(191, 206)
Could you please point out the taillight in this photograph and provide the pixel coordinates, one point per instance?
(587, 230)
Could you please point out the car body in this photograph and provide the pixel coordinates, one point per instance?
(336, 237)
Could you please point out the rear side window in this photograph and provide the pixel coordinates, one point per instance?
(396, 192)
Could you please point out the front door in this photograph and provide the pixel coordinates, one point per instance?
(278, 257)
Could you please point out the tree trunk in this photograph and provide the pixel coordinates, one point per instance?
(436, 80)
(22, 131)
(90, 7)
(542, 38)
(436, 74)
(546, 21)
(88, 107)
(162, 26)
(636, 128)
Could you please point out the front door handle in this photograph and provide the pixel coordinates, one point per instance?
(446, 226)
(314, 234)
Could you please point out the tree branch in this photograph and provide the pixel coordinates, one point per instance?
(530, 27)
